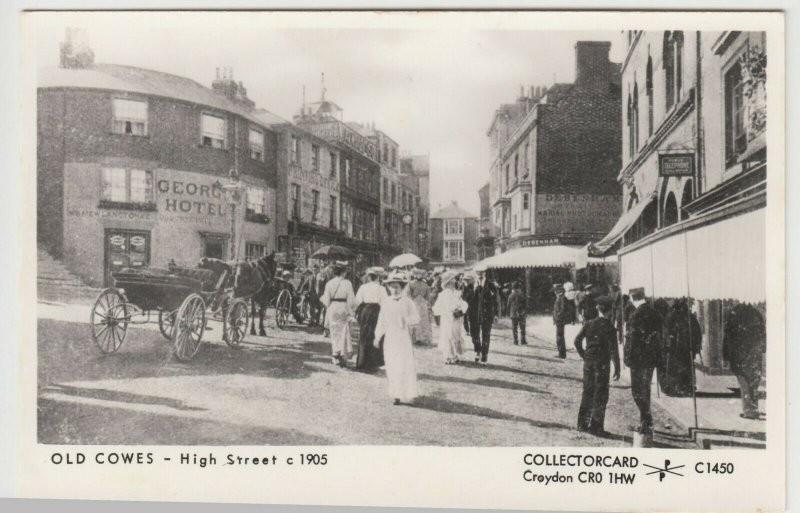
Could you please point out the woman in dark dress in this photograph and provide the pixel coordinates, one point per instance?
(368, 306)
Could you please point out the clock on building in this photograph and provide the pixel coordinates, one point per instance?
(408, 219)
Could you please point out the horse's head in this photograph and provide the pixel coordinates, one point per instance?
(270, 264)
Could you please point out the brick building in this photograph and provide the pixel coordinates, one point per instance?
(131, 165)
(693, 174)
(453, 237)
(555, 157)
(359, 178)
(308, 183)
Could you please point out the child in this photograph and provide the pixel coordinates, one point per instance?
(450, 308)
(398, 313)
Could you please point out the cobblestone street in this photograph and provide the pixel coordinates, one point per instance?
(282, 390)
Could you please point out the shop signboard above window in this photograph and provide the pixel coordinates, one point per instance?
(676, 164)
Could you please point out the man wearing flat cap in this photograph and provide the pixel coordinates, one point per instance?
(601, 348)
(562, 315)
(642, 350)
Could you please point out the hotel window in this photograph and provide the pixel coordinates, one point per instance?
(332, 219)
(347, 168)
(385, 189)
(735, 133)
(295, 201)
(315, 158)
(256, 141)
(130, 116)
(673, 66)
(507, 169)
(333, 165)
(394, 195)
(454, 251)
(256, 203)
(315, 205)
(526, 201)
(516, 168)
(635, 117)
(120, 185)
(453, 227)
(394, 157)
(385, 153)
(255, 251)
(213, 129)
(294, 150)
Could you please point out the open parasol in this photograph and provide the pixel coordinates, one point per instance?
(405, 260)
(333, 252)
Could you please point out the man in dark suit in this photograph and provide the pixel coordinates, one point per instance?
(484, 305)
(642, 350)
(588, 308)
(601, 348)
(309, 288)
(563, 314)
(517, 312)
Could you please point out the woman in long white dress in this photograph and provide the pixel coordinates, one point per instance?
(420, 293)
(339, 302)
(450, 307)
(398, 314)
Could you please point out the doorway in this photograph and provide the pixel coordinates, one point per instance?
(215, 245)
(125, 248)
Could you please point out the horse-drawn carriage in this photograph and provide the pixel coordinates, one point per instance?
(185, 299)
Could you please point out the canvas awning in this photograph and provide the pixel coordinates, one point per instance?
(624, 223)
(537, 256)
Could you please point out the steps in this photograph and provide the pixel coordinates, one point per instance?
(54, 282)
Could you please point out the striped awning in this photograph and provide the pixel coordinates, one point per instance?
(624, 223)
(538, 256)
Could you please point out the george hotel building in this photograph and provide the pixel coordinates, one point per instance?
(131, 165)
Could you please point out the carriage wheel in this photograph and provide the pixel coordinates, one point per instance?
(187, 332)
(165, 322)
(283, 308)
(109, 320)
(235, 325)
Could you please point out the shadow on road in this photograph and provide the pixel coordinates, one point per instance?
(118, 396)
(443, 405)
(497, 383)
(70, 423)
(534, 373)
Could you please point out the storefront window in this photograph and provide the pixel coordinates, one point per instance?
(295, 201)
(255, 251)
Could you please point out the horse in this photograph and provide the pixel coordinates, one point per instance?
(256, 280)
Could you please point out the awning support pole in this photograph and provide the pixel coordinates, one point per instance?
(689, 319)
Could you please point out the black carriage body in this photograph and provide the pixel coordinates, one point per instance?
(164, 289)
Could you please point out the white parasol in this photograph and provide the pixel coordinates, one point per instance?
(405, 260)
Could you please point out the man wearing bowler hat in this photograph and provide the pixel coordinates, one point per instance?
(484, 306)
(642, 349)
(601, 348)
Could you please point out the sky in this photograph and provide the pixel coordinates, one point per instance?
(432, 91)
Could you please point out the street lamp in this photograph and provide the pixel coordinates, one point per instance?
(233, 195)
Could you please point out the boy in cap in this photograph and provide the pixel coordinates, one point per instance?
(601, 347)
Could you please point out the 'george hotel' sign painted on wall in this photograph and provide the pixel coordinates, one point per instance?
(339, 132)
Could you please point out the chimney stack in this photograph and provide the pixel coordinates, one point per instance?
(75, 50)
(592, 67)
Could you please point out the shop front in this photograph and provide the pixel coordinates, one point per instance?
(133, 214)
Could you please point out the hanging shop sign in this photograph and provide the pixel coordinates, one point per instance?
(676, 164)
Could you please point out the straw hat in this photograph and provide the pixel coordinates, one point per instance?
(447, 277)
(396, 277)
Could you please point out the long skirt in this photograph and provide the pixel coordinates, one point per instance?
(422, 332)
(451, 342)
(400, 367)
(369, 356)
(338, 315)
